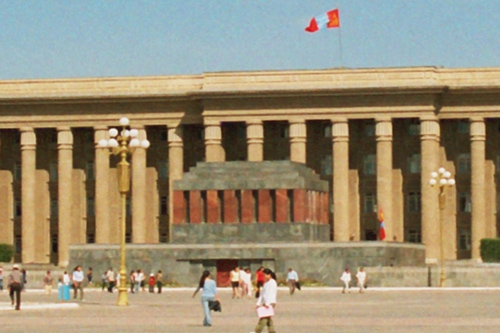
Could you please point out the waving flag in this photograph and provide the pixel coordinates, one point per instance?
(329, 20)
(382, 226)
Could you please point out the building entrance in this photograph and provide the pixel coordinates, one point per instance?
(224, 268)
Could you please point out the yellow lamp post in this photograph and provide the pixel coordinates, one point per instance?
(443, 179)
(123, 143)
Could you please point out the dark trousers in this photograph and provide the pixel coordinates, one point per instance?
(16, 288)
(77, 286)
(111, 285)
(159, 285)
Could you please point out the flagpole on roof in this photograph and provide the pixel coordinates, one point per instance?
(340, 38)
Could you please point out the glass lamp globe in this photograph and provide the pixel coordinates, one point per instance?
(124, 121)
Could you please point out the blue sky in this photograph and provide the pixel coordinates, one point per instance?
(88, 38)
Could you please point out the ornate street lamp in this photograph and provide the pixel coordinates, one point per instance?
(123, 143)
(443, 179)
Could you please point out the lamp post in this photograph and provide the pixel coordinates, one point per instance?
(443, 179)
(123, 143)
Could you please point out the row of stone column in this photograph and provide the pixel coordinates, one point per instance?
(430, 135)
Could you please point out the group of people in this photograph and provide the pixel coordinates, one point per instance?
(360, 278)
(267, 296)
(138, 281)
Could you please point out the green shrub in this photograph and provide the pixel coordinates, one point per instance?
(490, 249)
(6, 252)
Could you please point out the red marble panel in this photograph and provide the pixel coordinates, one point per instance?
(299, 205)
(179, 207)
(230, 207)
(265, 209)
(195, 206)
(247, 207)
(325, 208)
(317, 203)
(282, 206)
(213, 208)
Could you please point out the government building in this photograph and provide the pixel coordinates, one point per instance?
(372, 136)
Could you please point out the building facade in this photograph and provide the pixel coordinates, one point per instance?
(374, 134)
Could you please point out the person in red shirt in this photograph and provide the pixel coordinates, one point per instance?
(151, 283)
(259, 280)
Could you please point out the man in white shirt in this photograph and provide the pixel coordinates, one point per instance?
(78, 282)
(346, 278)
(292, 278)
(361, 277)
(267, 298)
(235, 281)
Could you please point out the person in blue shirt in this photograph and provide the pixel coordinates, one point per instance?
(209, 294)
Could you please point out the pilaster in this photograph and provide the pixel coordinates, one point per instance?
(383, 132)
(139, 222)
(28, 167)
(255, 140)
(65, 194)
(478, 157)
(298, 139)
(340, 141)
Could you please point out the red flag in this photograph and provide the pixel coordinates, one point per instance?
(382, 225)
(329, 20)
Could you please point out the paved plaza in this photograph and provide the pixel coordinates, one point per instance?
(310, 310)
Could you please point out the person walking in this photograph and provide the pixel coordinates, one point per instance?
(47, 283)
(15, 285)
(292, 278)
(140, 281)
(259, 280)
(246, 282)
(209, 294)
(78, 278)
(159, 281)
(346, 278)
(111, 279)
(267, 299)
(235, 281)
(104, 281)
(151, 283)
(132, 277)
(361, 277)
(89, 276)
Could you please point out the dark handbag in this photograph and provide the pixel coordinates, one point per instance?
(214, 306)
(297, 285)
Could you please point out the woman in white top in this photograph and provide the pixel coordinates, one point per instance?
(346, 278)
(361, 277)
(246, 282)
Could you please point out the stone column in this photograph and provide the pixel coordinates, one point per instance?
(478, 157)
(340, 138)
(64, 192)
(175, 169)
(214, 151)
(383, 131)
(429, 136)
(102, 203)
(298, 138)
(255, 140)
(138, 200)
(28, 167)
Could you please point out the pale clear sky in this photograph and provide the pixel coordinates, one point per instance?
(95, 38)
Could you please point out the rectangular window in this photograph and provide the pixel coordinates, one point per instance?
(464, 202)
(370, 130)
(54, 209)
(414, 202)
(463, 127)
(163, 169)
(128, 207)
(163, 237)
(18, 171)
(414, 163)
(327, 166)
(18, 244)
(53, 171)
(91, 238)
(54, 244)
(464, 164)
(128, 238)
(414, 128)
(370, 165)
(90, 207)
(17, 208)
(164, 205)
(464, 239)
(90, 170)
(414, 236)
(370, 203)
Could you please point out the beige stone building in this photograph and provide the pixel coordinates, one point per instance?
(374, 134)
